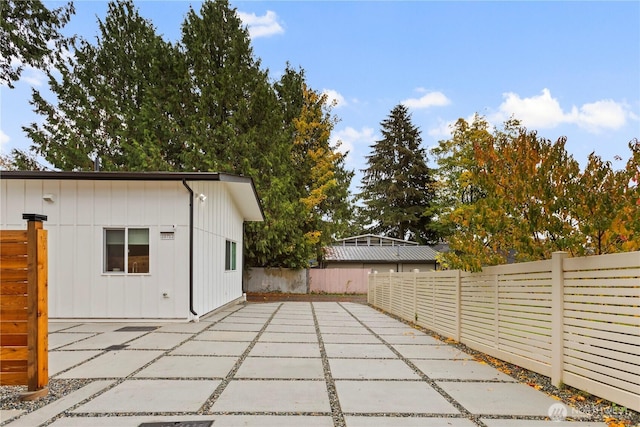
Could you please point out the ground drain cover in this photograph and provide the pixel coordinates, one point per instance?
(178, 424)
(137, 329)
(117, 347)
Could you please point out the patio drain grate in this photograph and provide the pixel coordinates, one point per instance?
(178, 424)
(117, 347)
(137, 329)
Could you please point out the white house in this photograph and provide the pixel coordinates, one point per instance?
(136, 245)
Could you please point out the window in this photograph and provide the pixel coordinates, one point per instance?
(134, 242)
(230, 256)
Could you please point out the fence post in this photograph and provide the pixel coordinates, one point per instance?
(496, 311)
(415, 295)
(557, 317)
(458, 305)
(37, 317)
(391, 282)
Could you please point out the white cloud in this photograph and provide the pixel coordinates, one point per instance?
(261, 26)
(443, 129)
(429, 99)
(600, 114)
(545, 112)
(334, 98)
(4, 138)
(33, 76)
(352, 140)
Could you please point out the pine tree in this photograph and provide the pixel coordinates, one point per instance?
(398, 188)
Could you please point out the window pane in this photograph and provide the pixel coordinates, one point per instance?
(227, 256)
(233, 255)
(114, 250)
(138, 259)
(138, 236)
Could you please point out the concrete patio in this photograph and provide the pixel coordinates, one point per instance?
(279, 364)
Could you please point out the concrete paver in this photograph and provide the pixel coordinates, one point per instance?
(273, 396)
(539, 423)
(349, 330)
(281, 368)
(59, 326)
(285, 337)
(263, 365)
(360, 351)
(247, 336)
(460, 370)
(104, 340)
(186, 328)
(281, 349)
(7, 414)
(189, 367)
(112, 364)
(230, 326)
(303, 329)
(371, 369)
(430, 351)
(61, 339)
(152, 396)
(62, 360)
(212, 348)
(484, 398)
(411, 338)
(376, 397)
(355, 421)
(350, 339)
(158, 341)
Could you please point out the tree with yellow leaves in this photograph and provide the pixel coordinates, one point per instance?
(533, 199)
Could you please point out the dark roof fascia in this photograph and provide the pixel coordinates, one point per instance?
(124, 176)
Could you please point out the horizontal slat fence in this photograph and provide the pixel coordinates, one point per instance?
(576, 320)
(23, 307)
(13, 307)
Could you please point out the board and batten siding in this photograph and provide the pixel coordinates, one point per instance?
(77, 216)
(216, 220)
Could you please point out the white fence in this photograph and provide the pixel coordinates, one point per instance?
(576, 320)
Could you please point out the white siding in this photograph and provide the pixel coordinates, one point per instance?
(216, 220)
(76, 219)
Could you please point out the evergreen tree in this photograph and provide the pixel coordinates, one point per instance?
(30, 35)
(115, 101)
(398, 188)
(204, 104)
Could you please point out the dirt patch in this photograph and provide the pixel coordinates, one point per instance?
(278, 296)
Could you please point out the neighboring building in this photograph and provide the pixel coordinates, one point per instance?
(379, 253)
(136, 245)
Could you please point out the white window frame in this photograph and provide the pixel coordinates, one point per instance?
(126, 243)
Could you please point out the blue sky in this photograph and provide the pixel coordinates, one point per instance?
(564, 68)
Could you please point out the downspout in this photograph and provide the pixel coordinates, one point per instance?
(184, 182)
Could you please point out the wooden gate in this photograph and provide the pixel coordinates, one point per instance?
(23, 307)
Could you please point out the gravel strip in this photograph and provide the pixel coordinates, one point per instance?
(206, 407)
(336, 411)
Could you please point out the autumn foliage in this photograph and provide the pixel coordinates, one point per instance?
(532, 198)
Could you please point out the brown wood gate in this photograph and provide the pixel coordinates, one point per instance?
(23, 307)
